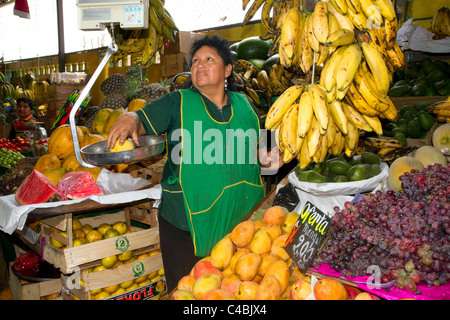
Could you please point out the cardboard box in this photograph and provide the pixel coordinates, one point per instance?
(173, 64)
(183, 41)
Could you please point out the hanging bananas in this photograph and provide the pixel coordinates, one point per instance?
(352, 45)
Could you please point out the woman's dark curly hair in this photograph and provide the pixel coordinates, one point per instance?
(223, 49)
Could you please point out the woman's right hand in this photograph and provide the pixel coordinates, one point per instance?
(127, 125)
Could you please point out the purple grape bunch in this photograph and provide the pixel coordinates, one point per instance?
(406, 234)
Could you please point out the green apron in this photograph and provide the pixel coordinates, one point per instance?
(219, 172)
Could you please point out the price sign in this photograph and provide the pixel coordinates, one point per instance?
(307, 236)
(63, 116)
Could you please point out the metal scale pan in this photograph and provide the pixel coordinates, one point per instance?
(97, 154)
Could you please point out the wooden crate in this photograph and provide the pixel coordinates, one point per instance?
(23, 290)
(73, 259)
(82, 283)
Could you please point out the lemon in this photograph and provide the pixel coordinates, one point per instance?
(153, 274)
(127, 145)
(161, 272)
(143, 283)
(125, 255)
(99, 268)
(102, 295)
(93, 236)
(86, 228)
(111, 233)
(103, 228)
(118, 291)
(76, 224)
(111, 289)
(120, 226)
(140, 279)
(133, 287)
(109, 262)
(95, 292)
(78, 242)
(79, 233)
(126, 284)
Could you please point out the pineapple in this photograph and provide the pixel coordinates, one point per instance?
(153, 91)
(114, 82)
(115, 100)
(88, 117)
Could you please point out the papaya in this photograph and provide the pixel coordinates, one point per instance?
(54, 174)
(399, 90)
(70, 162)
(49, 160)
(112, 118)
(413, 129)
(429, 155)
(253, 48)
(441, 138)
(61, 142)
(136, 104)
(92, 138)
(98, 125)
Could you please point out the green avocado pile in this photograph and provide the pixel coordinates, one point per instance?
(424, 78)
(341, 169)
(413, 121)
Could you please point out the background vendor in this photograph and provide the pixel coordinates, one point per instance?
(24, 109)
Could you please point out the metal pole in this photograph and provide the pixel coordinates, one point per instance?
(61, 49)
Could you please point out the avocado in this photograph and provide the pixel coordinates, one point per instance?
(339, 167)
(418, 90)
(399, 136)
(399, 90)
(404, 109)
(370, 158)
(340, 178)
(359, 172)
(421, 105)
(312, 176)
(426, 120)
(267, 65)
(436, 75)
(409, 115)
(374, 170)
(414, 130)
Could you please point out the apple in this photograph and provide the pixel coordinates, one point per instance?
(352, 292)
(366, 296)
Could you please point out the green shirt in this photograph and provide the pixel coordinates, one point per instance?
(164, 116)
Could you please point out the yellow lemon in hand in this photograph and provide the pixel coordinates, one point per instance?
(127, 145)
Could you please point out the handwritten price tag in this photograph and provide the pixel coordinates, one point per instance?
(307, 236)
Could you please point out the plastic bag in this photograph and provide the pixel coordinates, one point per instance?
(286, 197)
(27, 264)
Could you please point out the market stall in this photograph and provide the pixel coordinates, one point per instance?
(361, 214)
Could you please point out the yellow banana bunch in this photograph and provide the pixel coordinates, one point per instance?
(441, 109)
(347, 68)
(40, 89)
(289, 40)
(377, 66)
(440, 24)
(282, 104)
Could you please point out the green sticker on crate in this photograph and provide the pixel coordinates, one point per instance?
(122, 243)
(138, 269)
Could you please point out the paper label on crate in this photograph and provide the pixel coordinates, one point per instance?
(307, 236)
(146, 292)
(122, 243)
(63, 116)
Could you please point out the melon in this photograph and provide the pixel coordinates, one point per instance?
(37, 188)
(78, 185)
(398, 168)
(441, 138)
(429, 155)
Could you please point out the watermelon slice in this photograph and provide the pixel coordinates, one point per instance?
(37, 188)
(78, 185)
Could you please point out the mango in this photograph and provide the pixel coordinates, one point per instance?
(274, 214)
(274, 230)
(186, 283)
(242, 234)
(247, 290)
(182, 295)
(218, 294)
(231, 283)
(205, 283)
(269, 289)
(247, 266)
(289, 222)
(222, 253)
(267, 260)
(329, 289)
(277, 247)
(280, 270)
(236, 256)
(261, 242)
